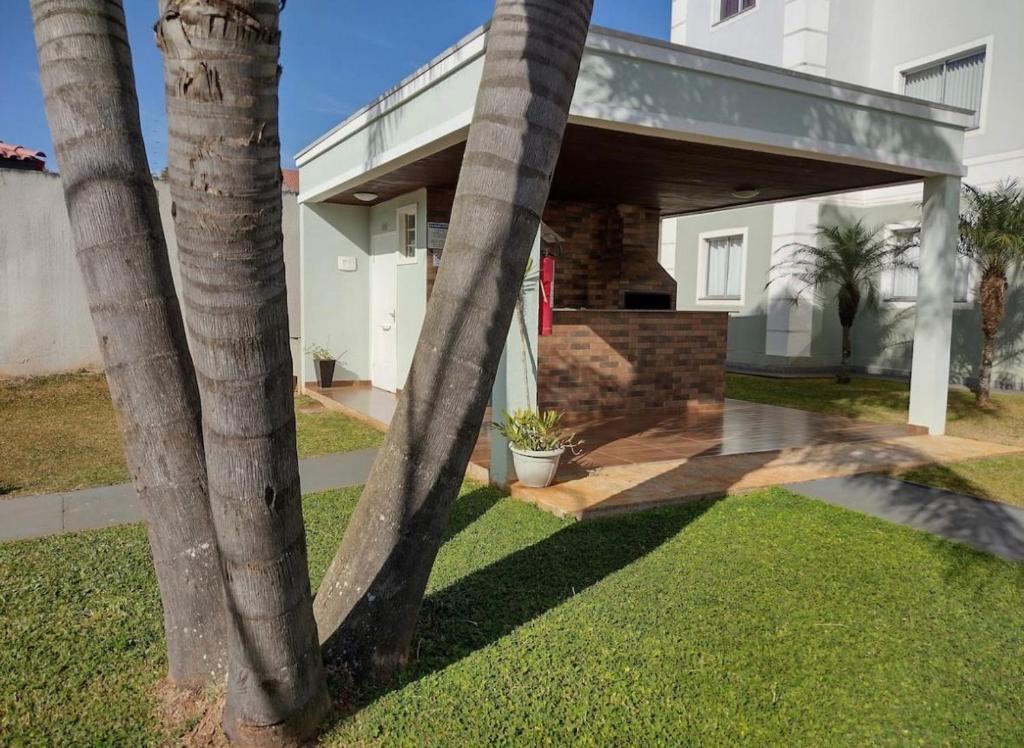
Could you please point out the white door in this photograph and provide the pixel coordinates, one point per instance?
(383, 306)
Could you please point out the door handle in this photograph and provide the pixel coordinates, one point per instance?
(385, 327)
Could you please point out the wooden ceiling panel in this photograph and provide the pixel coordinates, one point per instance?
(677, 177)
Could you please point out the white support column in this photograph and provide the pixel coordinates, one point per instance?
(515, 385)
(929, 378)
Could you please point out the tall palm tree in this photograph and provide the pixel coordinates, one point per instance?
(224, 160)
(85, 68)
(992, 236)
(851, 258)
(368, 602)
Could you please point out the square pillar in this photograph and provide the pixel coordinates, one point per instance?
(929, 376)
(515, 385)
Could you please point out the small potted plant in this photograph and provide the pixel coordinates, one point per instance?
(537, 441)
(325, 363)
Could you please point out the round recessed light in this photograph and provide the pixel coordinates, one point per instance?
(366, 197)
(744, 192)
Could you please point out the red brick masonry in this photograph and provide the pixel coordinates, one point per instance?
(612, 362)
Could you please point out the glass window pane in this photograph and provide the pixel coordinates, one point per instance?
(407, 237)
(735, 281)
(903, 280)
(718, 259)
(961, 284)
(964, 78)
(724, 267)
(729, 8)
(924, 84)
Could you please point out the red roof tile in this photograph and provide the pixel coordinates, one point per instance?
(20, 153)
(290, 179)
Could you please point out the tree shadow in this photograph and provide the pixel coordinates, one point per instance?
(488, 604)
(467, 509)
(959, 515)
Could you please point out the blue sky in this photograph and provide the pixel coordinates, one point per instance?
(337, 56)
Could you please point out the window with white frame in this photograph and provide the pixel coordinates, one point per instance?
(957, 81)
(900, 283)
(729, 8)
(722, 262)
(407, 233)
(962, 279)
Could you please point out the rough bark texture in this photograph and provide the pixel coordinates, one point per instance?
(221, 77)
(849, 303)
(368, 603)
(86, 74)
(993, 307)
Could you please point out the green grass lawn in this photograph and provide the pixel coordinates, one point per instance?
(998, 478)
(762, 619)
(886, 401)
(59, 433)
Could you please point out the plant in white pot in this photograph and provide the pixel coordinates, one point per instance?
(537, 441)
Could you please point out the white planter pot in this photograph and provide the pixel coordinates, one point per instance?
(536, 469)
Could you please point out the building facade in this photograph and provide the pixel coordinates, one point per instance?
(956, 52)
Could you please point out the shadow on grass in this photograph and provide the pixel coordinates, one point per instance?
(953, 512)
(468, 508)
(491, 602)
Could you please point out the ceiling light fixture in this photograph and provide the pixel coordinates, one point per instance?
(366, 197)
(745, 192)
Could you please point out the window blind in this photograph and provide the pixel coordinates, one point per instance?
(957, 81)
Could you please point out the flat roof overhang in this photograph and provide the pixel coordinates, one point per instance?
(654, 124)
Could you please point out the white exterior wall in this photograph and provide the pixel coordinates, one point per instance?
(755, 34)
(336, 314)
(338, 310)
(45, 327)
(867, 43)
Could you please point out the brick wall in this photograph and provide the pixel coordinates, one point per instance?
(618, 362)
(607, 250)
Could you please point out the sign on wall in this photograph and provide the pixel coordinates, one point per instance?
(436, 235)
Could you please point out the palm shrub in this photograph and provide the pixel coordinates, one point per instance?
(849, 257)
(536, 431)
(992, 236)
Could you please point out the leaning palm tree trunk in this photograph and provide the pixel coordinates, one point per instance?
(993, 289)
(368, 603)
(221, 77)
(86, 73)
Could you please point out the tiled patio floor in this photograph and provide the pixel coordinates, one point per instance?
(642, 460)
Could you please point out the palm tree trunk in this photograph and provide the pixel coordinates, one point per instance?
(993, 306)
(848, 300)
(844, 363)
(86, 74)
(221, 78)
(368, 603)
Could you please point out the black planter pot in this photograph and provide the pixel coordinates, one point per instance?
(325, 372)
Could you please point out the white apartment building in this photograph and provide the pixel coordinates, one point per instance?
(966, 53)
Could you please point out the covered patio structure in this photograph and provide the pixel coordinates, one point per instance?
(655, 130)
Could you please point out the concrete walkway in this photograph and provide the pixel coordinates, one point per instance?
(91, 508)
(986, 525)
